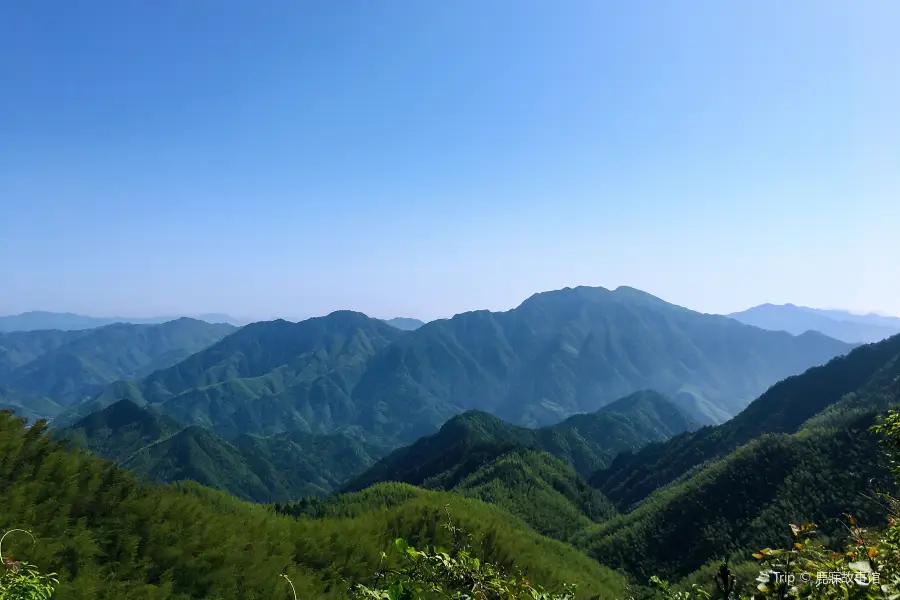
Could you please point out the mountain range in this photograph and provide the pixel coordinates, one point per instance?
(557, 355)
(838, 324)
(500, 428)
(585, 442)
(48, 370)
(292, 465)
(41, 320)
(801, 452)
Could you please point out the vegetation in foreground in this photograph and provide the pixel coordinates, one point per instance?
(108, 536)
(868, 567)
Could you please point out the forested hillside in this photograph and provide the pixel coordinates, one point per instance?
(801, 452)
(278, 468)
(109, 538)
(558, 354)
(863, 376)
(585, 442)
(303, 415)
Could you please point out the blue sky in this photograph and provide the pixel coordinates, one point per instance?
(290, 158)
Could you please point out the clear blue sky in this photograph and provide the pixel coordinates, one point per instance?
(407, 158)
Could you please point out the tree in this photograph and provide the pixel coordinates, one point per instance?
(867, 567)
(433, 573)
(22, 581)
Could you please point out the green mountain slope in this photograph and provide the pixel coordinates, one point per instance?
(591, 441)
(558, 354)
(574, 350)
(108, 537)
(266, 378)
(530, 484)
(802, 452)
(68, 366)
(746, 500)
(586, 442)
(272, 469)
(782, 409)
(533, 485)
(279, 468)
(119, 431)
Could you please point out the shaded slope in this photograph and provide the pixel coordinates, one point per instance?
(119, 431)
(782, 409)
(585, 442)
(746, 500)
(821, 463)
(530, 484)
(273, 469)
(590, 441)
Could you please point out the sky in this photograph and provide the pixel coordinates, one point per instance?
(421, 159)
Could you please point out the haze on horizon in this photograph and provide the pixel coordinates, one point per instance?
(421, 160)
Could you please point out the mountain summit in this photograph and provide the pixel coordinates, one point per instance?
(556, 355)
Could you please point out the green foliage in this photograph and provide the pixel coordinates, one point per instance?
(828, 465)
(110, 537)
(22, 581)
(744, 500)
(842, 390)
(867, 567)
(435, 573)
(545, 493)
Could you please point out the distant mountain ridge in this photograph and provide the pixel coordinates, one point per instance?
(404, 323)
(68, 366)
(41, 320)
(558, 354)
(840, 325)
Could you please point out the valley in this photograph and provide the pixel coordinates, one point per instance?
(503, 423)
